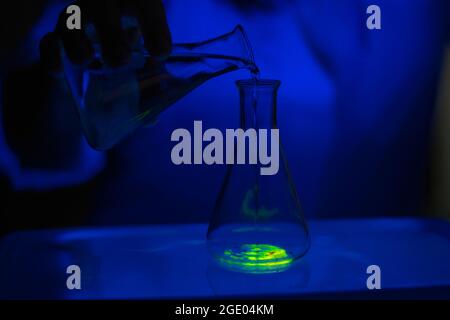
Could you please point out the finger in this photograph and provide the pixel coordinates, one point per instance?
(154, 27)
(76, 43)
(49, 52)
(133, 35)
(106, 17)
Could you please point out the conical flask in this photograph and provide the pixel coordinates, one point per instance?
(257, 224)
(113, 102)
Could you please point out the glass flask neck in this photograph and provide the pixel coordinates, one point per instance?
(258, 103)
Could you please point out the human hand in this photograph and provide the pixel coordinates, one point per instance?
(116, 42)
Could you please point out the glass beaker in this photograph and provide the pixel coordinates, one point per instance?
(257, 224)
(112, 102)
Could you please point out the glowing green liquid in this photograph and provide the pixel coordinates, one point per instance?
(256, 258)
(266, 248)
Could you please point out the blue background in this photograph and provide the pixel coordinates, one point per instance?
(355, 113)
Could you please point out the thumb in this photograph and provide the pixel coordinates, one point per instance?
(50, 55)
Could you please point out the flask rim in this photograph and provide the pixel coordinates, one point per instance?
(258, 83)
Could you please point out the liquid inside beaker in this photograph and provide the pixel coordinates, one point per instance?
(257, 224)
(258, 249)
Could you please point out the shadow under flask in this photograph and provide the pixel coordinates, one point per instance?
(257, 224)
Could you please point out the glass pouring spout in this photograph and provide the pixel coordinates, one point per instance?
(113, 102)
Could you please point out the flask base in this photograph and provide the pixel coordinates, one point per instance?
(257, 249)
(255, 258)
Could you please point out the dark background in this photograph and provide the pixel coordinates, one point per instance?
(356, 116)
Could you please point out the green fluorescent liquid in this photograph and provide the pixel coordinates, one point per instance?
(256, 258)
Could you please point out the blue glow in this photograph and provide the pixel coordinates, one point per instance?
(173, 262)
(355, 128)
(354, 118)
